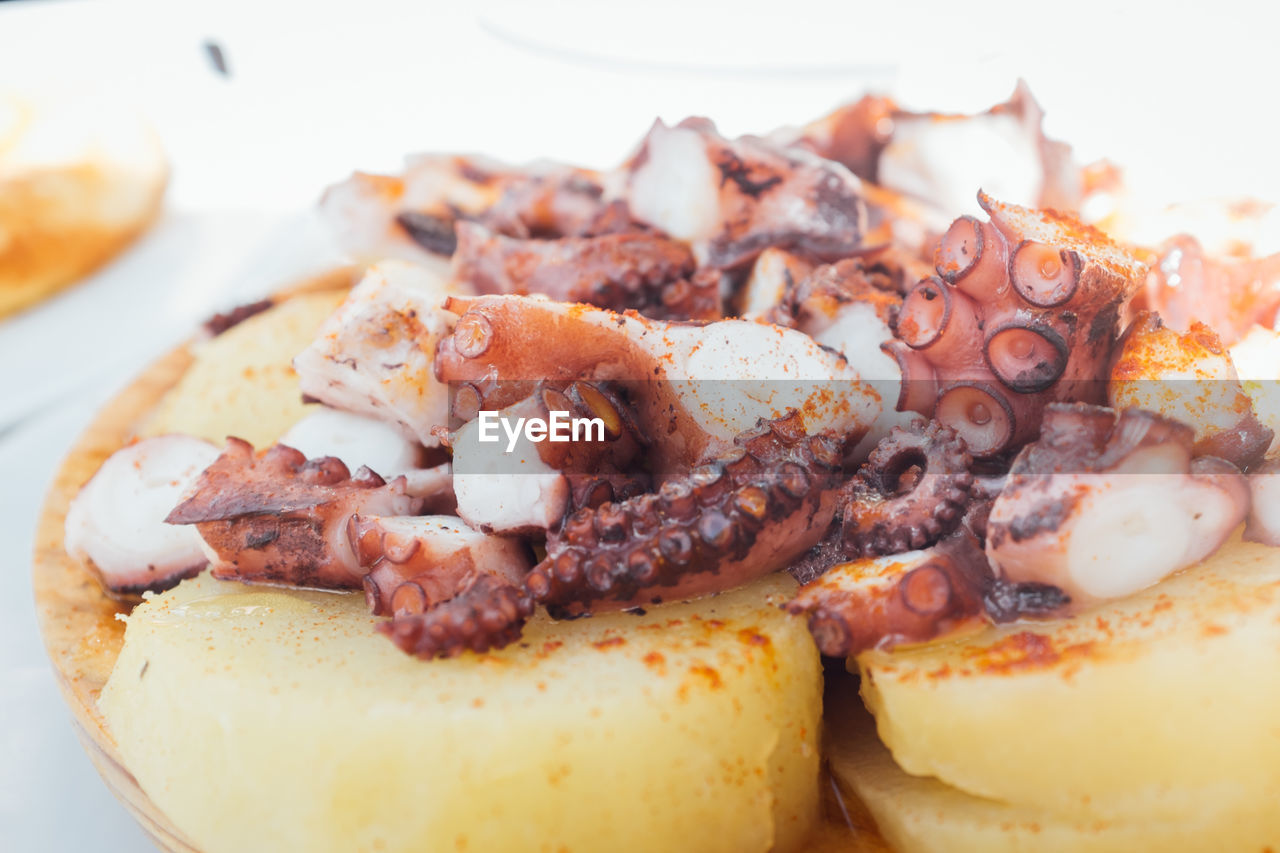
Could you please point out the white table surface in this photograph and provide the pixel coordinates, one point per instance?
(1179, 93)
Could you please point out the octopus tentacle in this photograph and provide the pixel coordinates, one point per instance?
(416, 562)
(918, 388)
(489, 614)
(904, 598)
(696, 385)
(1022, 313)
(732, 199)
(1189, 377)
(913, 489)
(1104, 504)
(741, 515)
(638, 270)
(282, 518)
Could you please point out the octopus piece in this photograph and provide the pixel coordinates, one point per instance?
(1103, 505)
(773, 273)
(853, 135)
(1264, 511)
(694, 387)
(488, 614)
(1023, 312)
(849, 307)
(358, 440)
(637, 270)
(1230, 294)
(116, 524)
(941, 158)
(446, 587)
(373, 356)
(732, 199)
(361, 441)
(911, 597)
(1188, 377)
(412, 216)
(365, 212)
(224, 320)
(549, 201)
(281, 518)
(416, 562)
(913, 489)
(511, 479)
(742, 514)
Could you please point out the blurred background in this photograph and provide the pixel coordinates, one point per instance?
(260, 104)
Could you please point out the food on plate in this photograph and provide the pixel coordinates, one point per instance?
(80, 179)
(532, 533)
(691, 727)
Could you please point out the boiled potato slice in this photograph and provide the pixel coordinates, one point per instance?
(1158, 706)
(242, 382)
(261, 719)
(922, 815)
(80, 178)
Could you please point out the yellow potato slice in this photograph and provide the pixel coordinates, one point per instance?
(1157, 706)
(262, 719)
(921, 815)
(242, 382)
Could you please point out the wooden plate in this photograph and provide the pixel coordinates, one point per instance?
(83, 637)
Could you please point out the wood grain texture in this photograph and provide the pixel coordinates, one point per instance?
(77, 619)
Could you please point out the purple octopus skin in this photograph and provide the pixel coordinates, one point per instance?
(281, 518)
(637, 270)
(913, 489)
(903, 598)
(745, 513)
(1023, 312)
(488, 614)
(1106, 503)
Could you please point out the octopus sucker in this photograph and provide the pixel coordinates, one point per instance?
(1104, 504)
(417, 562)
(913, 489)
(488, 614)
(940, 321)
(909, 597)
(283, 518)
(1026, 358)
(739, 515)
(1044, 275)
(918, 388)
(981, 413)
(1023, 312)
